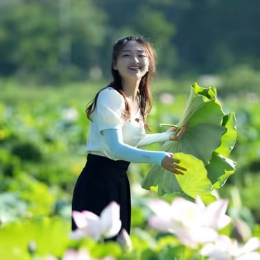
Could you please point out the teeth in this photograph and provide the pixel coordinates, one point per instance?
(134, 67)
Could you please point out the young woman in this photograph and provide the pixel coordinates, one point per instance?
(117, 126)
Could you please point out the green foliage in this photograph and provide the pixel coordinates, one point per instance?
(42, 35)
(34, 188)
(34, 138)
(39, 197)
(27, 151)
(50, 236)
(59, 41)
(219, 169)
(12, 208)
(137, 217)
(9, 164)
(240, 78)
(208, 131)
(194, 182)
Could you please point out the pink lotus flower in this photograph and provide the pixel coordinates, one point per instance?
(124, 241)
(82, 254)
(192, 223)
(213, 215)
(76, 255)
(90, 225)
(226, 249)
(50, 257)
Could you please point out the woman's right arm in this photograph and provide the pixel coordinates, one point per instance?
(122, 151)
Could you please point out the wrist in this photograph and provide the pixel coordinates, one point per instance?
(168, 134)
(160, 158)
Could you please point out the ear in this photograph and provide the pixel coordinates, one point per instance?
(114, 66)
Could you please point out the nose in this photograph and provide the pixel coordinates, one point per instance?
(135, 60)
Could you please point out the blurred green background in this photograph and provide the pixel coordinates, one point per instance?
(56, 55)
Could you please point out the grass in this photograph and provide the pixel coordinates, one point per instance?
(13, 92)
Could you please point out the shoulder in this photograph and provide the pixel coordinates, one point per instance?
(110, 92)
(110, 96)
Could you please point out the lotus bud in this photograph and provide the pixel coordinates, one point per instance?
(124, 241)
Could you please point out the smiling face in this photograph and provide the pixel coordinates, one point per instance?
(132, 62)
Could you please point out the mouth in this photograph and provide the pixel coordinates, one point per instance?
(134, 68)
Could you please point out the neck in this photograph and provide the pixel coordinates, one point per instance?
(130, 89)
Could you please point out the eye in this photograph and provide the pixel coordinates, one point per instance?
(142, 55)
(125, 55)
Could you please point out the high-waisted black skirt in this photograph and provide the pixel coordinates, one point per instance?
(102, 181)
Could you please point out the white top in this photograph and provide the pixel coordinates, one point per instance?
(109, 114)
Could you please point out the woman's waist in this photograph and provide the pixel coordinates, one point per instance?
(100, 161)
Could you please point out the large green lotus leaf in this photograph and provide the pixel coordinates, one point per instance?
(210, 112)
(161, 181)
(203, 134)
(203, 117)
(49, 234)
(219, 169)
(228, 139)
(192, 144)
(200, 140)
(195, 181)
(197, 99)
(206, 124)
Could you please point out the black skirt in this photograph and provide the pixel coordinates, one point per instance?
(102, 181)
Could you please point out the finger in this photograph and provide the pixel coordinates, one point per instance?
(181, 168)
(180, 133)
(174, 137)
(174, 170)
(184, 128)
(178, 172)
(175, 160)
(172, 129)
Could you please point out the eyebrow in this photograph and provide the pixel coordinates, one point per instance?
(130, 50)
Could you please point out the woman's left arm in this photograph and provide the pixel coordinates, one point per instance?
(154, 138)
(162, 137)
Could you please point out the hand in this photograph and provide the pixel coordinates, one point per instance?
(179, 135)
(170, 164)
(172, 129)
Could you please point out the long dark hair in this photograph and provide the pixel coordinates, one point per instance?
(145, 97)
